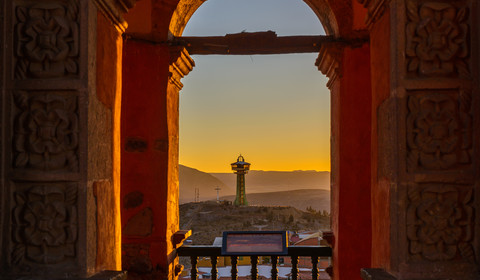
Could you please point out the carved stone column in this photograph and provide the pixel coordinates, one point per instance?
(428, 149)
(56, 140)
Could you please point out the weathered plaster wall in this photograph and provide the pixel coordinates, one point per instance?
(145, 159)
(140, 18)
(335, 170)
(352, 240)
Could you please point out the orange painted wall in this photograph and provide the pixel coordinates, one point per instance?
(144, 158)
(352, 220)
(109, 85)
(140, 17)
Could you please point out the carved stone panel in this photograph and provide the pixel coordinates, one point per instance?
(45, 224)
(437, 38)
(440, 222)
(47, 39)
(46, 131)
(439, 130)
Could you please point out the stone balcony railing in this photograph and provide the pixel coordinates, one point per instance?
(294, 252)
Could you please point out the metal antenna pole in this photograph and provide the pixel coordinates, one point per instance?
(218, 197)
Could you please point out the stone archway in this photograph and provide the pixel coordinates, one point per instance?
(405, 147)
(372, 179)
(151, 46)
(186, 8)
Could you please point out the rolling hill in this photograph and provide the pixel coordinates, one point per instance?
(208, 220)
(298, 189)
(299, 199)
(191, 178)
(258, 181)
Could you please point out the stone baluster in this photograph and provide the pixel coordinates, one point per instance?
(193, 270)
(314, 267)
(274, 268)
(214, 260)
(294, 267)
(254, 270)
(234, 271)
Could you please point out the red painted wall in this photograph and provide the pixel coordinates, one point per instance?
(380, 53)
(352, 215)
(144, 157)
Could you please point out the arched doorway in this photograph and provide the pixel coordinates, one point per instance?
(152, 49)
(382, 131)
(282, 98)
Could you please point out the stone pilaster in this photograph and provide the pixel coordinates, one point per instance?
(115, 9)
(433, 107)
(51, 119)
(46, 90)
(180, 65)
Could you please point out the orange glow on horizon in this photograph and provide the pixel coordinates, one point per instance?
(272, 109)
(258, 162)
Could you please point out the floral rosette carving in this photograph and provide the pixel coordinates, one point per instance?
(45, 224)
(436, 38)
(440, 223)
(46, 132)
(439, 131)
(47, 40)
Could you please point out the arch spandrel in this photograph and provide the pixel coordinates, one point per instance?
(326, 12)
(182, 14)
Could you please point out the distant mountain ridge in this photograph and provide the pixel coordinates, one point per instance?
(271, 181)
(299, 199)
(191, 178)
(290, 188)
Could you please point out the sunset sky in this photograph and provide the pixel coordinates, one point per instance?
(273, 109)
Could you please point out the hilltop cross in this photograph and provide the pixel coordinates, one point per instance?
(240, 168)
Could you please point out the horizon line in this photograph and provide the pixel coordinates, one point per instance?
(296, 170)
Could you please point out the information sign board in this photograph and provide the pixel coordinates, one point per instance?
(264, 243)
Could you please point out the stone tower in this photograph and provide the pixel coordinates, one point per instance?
(240, 168)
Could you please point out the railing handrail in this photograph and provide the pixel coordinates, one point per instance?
(211, 250)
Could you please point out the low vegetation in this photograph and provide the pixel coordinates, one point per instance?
(208, 220)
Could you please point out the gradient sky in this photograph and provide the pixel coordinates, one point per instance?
(273, 109)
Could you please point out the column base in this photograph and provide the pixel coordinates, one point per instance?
(375, 274)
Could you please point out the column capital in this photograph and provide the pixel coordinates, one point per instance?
(180, 65)
(328, 62)
(376, 9)
(114, 10)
